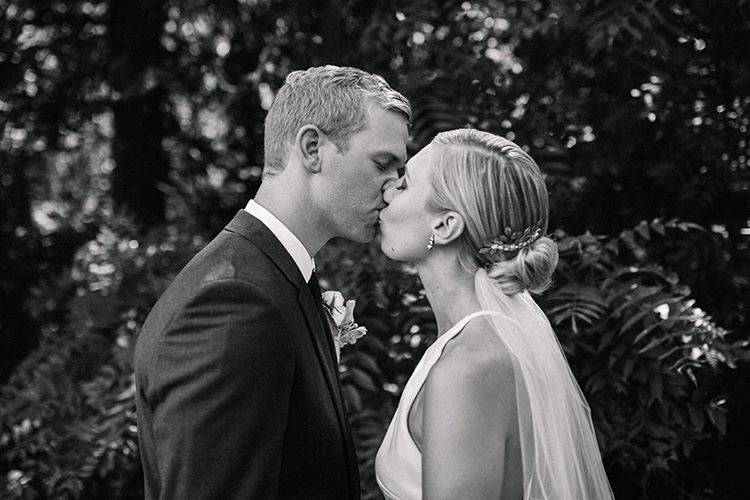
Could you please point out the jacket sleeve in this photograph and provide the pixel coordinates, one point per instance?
(221, 404)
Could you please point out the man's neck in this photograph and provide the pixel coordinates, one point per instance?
(293, 209)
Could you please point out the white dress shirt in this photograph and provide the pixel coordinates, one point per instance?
(291, 243)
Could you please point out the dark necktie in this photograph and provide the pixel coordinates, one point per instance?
(314, 287)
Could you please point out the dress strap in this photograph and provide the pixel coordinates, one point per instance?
(473, 315)
(458, 327)
(437, 347)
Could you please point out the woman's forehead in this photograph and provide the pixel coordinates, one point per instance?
(420, 162)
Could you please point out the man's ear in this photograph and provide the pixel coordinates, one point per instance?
(448, 227)
(307, 144)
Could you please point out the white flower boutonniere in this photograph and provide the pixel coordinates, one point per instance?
(341, 318)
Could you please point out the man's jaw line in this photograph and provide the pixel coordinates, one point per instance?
(295, 215)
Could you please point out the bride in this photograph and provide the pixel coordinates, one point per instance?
(492, 409)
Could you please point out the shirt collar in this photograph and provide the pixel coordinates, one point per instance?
(291, 243)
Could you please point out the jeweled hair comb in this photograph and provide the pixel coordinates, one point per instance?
(511, 241)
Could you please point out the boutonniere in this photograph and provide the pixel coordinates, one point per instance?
(341, 318)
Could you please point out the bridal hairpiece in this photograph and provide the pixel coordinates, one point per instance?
(511, 241)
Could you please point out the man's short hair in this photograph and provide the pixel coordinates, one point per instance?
(337, 100)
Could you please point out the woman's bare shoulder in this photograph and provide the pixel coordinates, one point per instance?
(475, 362)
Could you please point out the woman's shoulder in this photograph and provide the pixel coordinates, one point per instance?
(476, 362)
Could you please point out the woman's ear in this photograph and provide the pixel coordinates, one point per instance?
(307, 144)
(448, 227)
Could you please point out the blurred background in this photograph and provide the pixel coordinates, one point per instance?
(131, 132)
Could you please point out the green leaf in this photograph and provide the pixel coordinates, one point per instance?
(643, 230)
(656, 383)
(635, 318)
(361, 378)
(646, 331)
(638, 295)
(652, 344)
(352, 396)
(367, 362)
(697, 417)
(658, 227)
(718, 418)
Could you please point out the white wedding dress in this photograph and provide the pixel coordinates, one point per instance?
(398, 464)
(561, 459)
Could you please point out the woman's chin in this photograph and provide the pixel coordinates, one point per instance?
(390, 252)
(385, 247)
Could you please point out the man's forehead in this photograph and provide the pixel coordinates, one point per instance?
(388, 122)
(395, 152)
(386, 135)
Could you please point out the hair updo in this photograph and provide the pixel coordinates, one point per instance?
(495, 185)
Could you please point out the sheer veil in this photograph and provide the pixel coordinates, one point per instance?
(561, 459)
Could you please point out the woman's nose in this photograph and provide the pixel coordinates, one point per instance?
(389, 191)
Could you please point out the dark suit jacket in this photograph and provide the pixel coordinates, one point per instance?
(237, 387)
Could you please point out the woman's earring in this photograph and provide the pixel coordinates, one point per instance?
(431, 243)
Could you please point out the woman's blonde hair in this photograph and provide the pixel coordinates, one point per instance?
(495, 186)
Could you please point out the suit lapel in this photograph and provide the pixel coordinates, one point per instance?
(259, 235)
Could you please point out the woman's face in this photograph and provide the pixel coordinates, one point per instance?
(406, 223)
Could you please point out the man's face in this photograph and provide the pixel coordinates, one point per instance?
(351, 187)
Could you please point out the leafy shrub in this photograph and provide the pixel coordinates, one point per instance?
(641, 351)
(68, 413)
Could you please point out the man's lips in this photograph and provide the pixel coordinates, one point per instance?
(377, 218)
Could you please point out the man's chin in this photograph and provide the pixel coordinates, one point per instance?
(364, 235)
(371, 233)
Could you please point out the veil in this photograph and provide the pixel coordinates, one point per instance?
(561, 459)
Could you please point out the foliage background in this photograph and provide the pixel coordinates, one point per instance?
(130, 132)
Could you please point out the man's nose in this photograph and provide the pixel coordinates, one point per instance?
(389, 191)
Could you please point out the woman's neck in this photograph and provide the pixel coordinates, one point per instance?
(449, 288)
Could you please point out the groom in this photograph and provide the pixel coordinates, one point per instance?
(236, 376)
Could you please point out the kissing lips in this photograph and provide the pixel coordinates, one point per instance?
(380, 218)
